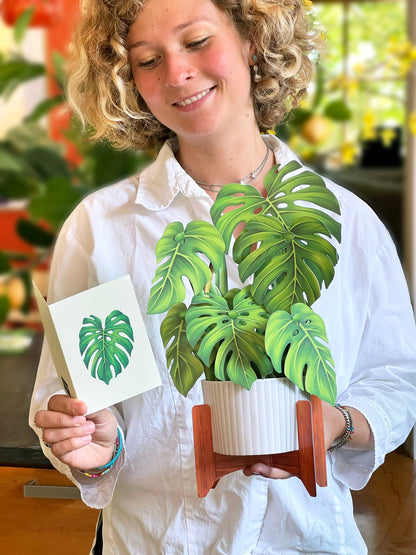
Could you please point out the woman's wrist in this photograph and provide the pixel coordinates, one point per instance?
(101, 470)
(348, 432)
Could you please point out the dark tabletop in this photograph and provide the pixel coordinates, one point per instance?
(19, 445)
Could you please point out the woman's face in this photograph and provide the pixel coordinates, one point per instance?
(191, 67)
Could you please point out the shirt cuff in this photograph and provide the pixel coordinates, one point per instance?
(354, 467)
(98, 492)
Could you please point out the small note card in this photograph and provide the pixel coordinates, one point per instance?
(99, 344)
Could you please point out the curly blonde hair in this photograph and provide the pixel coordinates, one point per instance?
(102, 92)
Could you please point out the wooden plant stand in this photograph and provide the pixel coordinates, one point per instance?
(307, 463)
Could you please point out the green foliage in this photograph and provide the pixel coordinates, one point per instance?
(5, 265)
(286, 246)
(16, 71)
(297, 343)
(22, 24)
(102, 164)
(34, 234)
(4, 308)
(290, 263)
(338, 111)
(231, 334)
(177, 251)
(106, 350)
(283, 201)
(56, 200)
(185, 367)
(44, 108)
(292, 258)
(34, 167)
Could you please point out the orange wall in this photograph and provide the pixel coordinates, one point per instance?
(57, 39)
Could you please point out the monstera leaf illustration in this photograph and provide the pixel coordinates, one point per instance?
(297, 342)
(178, 252)
(302, 194)
(185, 367)
(106, 350)
(285, 242)
(289, 264)
(234, 331)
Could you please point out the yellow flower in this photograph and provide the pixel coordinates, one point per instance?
(294, 142)
(412, 53)
(369, 133)
(359, 69)
(398, 48)
(369, 126)
(271, 132)
(392, 45)
(404, 66)
(387, 137)
(349, 152)
(369, 118)
(308, 5)
(412, 122)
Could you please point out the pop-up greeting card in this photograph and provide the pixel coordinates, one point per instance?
(99, 344)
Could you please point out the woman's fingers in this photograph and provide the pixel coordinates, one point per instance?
(57, 434)
(63, 403)
(51, 419)
(62, 448)
(267, 471)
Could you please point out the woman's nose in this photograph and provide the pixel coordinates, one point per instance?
(178, 70)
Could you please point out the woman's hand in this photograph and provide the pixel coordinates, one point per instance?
(82, 442)
(334, 426)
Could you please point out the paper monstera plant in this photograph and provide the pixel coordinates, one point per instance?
(266, 329)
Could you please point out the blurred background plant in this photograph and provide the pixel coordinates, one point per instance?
(358, 98)
(34, 169)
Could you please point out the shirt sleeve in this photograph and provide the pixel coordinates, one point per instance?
(383, 384)
(71, 272)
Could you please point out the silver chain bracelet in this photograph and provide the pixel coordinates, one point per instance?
(349, 428)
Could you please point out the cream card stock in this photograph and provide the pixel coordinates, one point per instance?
(99, 344)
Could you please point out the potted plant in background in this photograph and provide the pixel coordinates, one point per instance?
(264, 336)
(36, 174)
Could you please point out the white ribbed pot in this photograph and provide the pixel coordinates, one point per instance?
(256, 422)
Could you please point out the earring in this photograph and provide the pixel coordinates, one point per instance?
(256, 74)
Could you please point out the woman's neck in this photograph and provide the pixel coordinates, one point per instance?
(230, 159)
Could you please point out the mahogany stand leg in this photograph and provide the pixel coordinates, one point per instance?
(318, 442)
(306, 458)
(204, 451)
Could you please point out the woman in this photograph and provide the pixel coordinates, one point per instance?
(208, 74)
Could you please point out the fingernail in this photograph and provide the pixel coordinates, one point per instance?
(86, 439)
(79, 420)
(89, 427)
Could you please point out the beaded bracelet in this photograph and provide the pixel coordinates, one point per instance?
(349, 428)
(101, 470)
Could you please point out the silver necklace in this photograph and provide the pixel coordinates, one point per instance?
(243, 181)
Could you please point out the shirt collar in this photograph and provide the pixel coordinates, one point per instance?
(160, 182)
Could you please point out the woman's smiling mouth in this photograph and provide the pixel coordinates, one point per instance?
(191, 100)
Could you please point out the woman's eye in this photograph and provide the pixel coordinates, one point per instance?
(148, 63)
(197, 43)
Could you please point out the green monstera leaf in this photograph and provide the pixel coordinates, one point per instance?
(285, 243)
(298, 344)
(106, 350)
(289, 264)
(185, 367)
(232, 329)
(289, 197)
(178, 252)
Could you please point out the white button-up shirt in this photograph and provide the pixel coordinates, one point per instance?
(150, 499)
